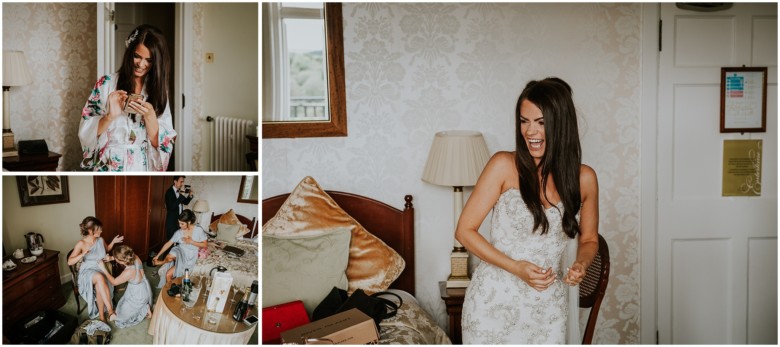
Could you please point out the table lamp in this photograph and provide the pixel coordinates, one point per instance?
(15, 73)
(199, 208)
(456, 160)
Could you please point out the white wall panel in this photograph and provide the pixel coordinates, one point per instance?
(762, 291)
(704, 41)
(700, 291)
(764, 41)
(697, 142)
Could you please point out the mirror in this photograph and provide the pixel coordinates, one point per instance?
(248, 191)
(291, 116)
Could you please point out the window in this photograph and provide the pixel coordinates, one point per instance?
(303, 70)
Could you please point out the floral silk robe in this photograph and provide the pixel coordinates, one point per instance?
(124, 146)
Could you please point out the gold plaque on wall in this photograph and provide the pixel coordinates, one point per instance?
(742, 167)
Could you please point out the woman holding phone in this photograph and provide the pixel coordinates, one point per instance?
(126, 124)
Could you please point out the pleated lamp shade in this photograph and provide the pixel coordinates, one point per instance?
(201, 206)
(456, 159)
(15, 71)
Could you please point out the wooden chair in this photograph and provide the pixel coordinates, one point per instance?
(74, 275)
(593, 287)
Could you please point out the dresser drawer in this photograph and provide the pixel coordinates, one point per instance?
(45, 295)
(31, 283)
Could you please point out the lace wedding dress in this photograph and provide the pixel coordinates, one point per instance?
(499, 308)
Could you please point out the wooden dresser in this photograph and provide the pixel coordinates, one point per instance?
(31, 287)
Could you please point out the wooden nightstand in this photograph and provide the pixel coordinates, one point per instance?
(36, 162)
(453, 298)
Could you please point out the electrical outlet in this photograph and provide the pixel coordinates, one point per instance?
(209, 57)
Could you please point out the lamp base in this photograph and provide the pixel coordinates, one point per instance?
(8, 144)
(459, 265)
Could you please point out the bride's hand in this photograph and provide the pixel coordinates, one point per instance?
(116, 101)
(536, 277)
(575, 275)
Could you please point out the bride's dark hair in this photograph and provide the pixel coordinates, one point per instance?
(562, 156)
(156, 79)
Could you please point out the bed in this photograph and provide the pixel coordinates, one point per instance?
(411, 325)
(244, 269)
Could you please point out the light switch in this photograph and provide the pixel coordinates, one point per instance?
(209, 57)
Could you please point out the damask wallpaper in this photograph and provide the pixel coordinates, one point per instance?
(415, 69)
(59, 42)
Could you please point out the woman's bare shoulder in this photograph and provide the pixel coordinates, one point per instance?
(588, 177)
(503, 169)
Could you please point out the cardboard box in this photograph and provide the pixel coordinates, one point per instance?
(351, 327)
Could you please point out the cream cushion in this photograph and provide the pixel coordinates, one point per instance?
(373, 265)
(227, 232)
(304, 267)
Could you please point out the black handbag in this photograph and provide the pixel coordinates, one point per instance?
(374, 306)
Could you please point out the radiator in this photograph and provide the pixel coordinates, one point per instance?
(229, 144)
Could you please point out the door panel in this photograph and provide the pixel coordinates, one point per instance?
(709, 247)
(135, 213)
(157, 212)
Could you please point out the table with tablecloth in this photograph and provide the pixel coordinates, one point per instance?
(172, 325)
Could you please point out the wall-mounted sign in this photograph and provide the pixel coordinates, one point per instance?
(742, 167)
(743, 99)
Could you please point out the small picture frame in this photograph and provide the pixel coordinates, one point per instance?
(743, 99)
(42, 190)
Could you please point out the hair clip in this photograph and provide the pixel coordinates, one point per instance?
(131, 39)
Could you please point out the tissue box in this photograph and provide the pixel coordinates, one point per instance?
(351, 327)
(220, 291)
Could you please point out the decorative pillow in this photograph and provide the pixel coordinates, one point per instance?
(373, 265)
(306, 268)
(227, 232)
(230, 217)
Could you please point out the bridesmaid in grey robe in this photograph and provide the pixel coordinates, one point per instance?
(136, 303)
(190, 238)
(91, 251)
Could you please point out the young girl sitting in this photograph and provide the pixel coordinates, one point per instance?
(135, 304)
(190, 238)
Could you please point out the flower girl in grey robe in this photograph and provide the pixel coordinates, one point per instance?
(136, 303)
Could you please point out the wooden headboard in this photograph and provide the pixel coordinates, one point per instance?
(250, 223)
(391, 225)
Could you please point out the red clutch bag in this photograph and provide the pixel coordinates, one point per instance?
(280, 318)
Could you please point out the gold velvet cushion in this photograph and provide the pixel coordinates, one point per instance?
(230, 218)
(309, 211)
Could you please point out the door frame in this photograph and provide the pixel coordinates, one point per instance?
(183, 79)
(648, 309)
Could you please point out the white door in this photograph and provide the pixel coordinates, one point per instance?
(105, 39)
(716, 256)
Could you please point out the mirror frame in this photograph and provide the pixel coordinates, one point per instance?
(337, 126)
(241, 189)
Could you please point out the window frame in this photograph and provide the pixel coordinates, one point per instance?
(337, 123)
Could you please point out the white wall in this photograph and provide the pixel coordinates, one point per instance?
(229, 84)
(58, 223)
(222, 194)
(415, 69)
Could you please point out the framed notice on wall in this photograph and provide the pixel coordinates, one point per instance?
(743, 99)
(742, 167)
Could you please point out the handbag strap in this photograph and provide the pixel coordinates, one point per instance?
(391, 305)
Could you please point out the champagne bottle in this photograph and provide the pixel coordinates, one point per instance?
(242, 307)
(186, 286)
(253, 294)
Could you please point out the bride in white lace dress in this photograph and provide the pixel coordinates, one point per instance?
(542, 197)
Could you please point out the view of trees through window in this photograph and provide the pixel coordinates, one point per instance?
(307, 84)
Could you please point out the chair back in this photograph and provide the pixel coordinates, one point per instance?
(593, 287)
(74, 269)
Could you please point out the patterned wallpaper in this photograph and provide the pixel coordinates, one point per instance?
(58, 41)
(415, 69)
(199, 126)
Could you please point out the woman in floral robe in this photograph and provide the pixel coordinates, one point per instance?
(136, 136)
